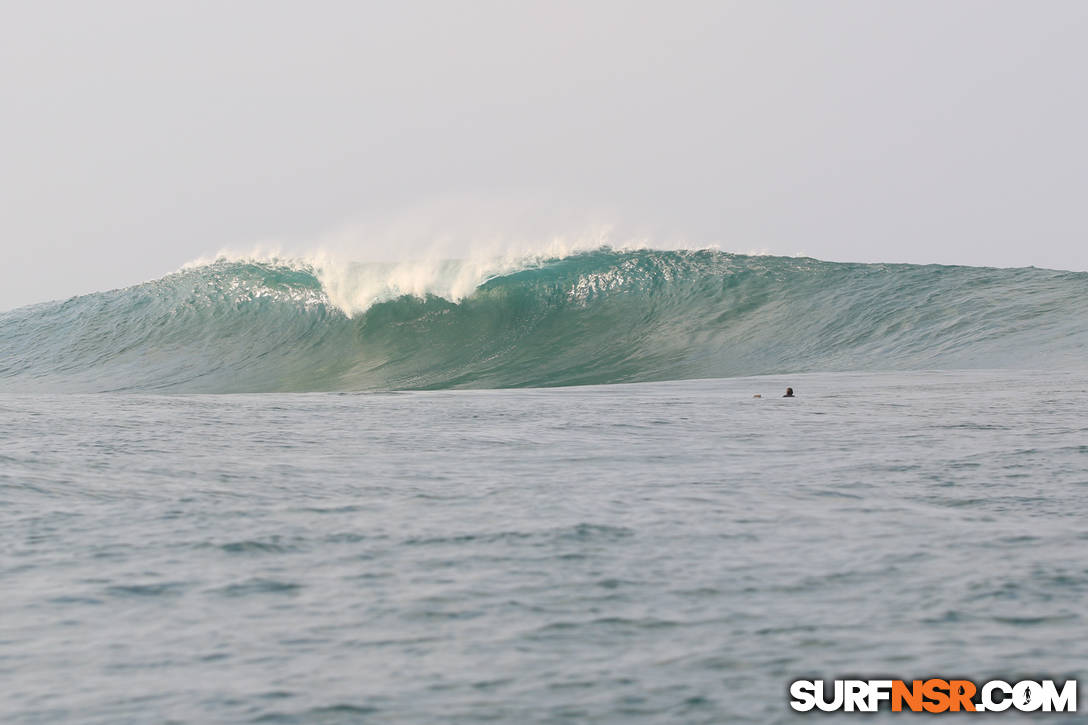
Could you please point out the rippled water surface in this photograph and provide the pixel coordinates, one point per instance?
(670, 552)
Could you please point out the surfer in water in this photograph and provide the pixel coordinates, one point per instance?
(789, 393)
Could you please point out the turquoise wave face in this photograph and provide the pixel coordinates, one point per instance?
(597, 317)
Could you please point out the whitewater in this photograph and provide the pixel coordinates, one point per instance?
(539, 489)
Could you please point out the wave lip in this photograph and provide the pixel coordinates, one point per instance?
(601, 316)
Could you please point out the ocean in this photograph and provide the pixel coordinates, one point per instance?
(543, 494)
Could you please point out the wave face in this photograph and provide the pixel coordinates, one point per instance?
(596, 317)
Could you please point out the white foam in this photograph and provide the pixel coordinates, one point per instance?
(364, 264)
(354, 286)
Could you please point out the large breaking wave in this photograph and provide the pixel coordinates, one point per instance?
(596, 317)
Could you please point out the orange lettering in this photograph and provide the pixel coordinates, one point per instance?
(961, 692)
(936, 691)
(912, 695)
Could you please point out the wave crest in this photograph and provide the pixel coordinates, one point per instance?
(248, 325)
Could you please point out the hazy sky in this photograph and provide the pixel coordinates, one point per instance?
(139, 135)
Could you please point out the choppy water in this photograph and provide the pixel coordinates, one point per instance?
(657, 552)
